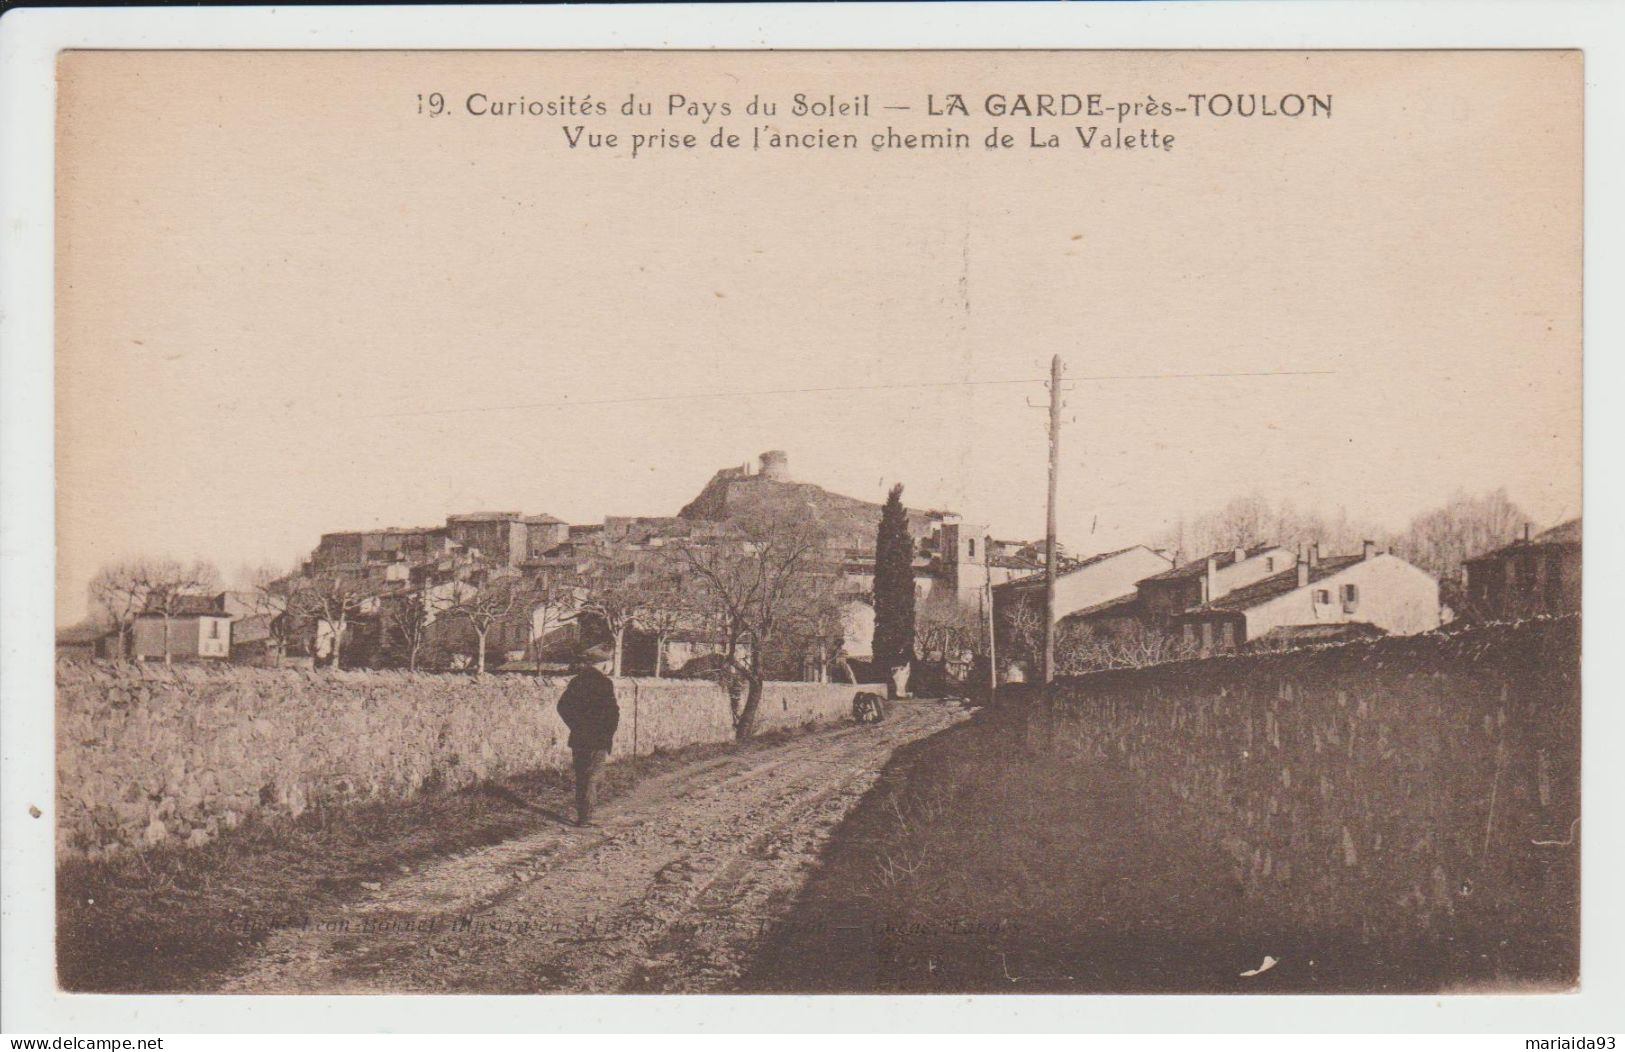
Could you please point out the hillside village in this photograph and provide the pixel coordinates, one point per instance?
(511, 592)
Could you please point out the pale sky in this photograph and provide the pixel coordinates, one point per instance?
(289, 304)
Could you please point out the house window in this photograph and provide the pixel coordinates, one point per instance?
(1227, 634)
(214, 630)
(1351, 593)
(1269, 564)
(972, 543)
(1323, 596)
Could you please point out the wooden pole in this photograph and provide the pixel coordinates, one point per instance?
(992, 633)
(1049, 523)
(635, 706)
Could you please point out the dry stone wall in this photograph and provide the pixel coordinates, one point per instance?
(1408, 784)
(149, 755)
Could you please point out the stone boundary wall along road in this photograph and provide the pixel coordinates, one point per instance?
(1410, 784)
(148, 754)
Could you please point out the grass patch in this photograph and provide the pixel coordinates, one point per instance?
(982, 861)
(167, 919)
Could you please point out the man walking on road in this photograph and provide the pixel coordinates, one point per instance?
(588, 708)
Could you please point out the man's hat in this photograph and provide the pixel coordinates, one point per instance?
(593, 655)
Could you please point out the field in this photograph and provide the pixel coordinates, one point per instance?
(1399, 815)
(488, 889)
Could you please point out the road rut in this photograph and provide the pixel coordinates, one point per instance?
(670, 893)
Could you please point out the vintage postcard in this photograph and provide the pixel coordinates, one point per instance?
(803, 522)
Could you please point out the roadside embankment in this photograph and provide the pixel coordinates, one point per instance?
(150, 755)
(1400, 815)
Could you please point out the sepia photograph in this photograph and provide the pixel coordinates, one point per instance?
(816, 522)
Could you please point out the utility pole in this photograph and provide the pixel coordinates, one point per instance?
(992, 633)
(1049, 522)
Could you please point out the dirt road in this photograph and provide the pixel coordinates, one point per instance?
(669, 894)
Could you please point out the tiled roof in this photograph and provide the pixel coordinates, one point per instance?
(1070, 566)
(251, 629)
(1563, 535)
(543, 519)
(191, 606)
(1329, 633)
(1122, 606)
(1275, 586)
(1198, 567)
(80, 634)
(379, 531)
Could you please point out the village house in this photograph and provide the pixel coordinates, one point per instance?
(370, 553)
(1372, 589)
(1532, 575)
(542, 533)
(1165, 595)
(254, 640)
(955, 563)
(86, 642)
(1099, 583)
(1009, 560)
(197, 629)
(1158, 599)
(1115, 616)
(500, 536)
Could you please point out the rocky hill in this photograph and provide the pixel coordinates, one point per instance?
(736, 493)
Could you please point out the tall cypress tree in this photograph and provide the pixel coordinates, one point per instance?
(894, 585)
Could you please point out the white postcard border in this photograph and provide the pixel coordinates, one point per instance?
(29, 42)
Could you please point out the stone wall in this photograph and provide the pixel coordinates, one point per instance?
(148, 754)
(1403, 785)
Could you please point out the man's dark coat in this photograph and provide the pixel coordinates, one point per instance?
(588, 708)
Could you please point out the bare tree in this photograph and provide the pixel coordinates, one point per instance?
(951, 636)
(331, 600)
(669, 606)
(551, 600)
(121, 591)
(946, 629)
(615, 592)
(1024, 632)
(1254, 519)
(815, 626)
(756, 587)
(169, 584)
(268, 587)
(1084, 648)
(407, 617)
(485, 607)
(1439, 541)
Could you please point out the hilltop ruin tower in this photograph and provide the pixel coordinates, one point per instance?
(776, 465)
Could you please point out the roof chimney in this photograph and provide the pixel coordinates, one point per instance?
(1526, 533)
(1210, 581)
(1303, 574)
(1240, 554)
(1314, 554)
(1370, 550)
